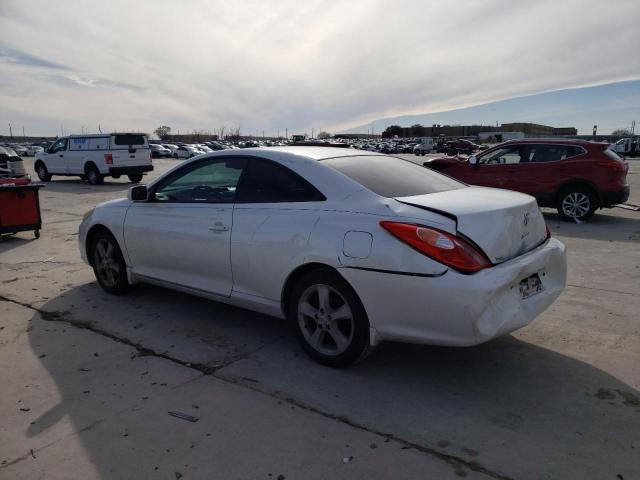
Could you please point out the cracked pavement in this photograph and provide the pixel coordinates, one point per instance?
(89, 378)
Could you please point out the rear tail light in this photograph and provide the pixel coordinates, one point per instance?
(614, 166)
(443, 247)
(108, 159)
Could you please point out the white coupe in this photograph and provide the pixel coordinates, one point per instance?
(351, 247)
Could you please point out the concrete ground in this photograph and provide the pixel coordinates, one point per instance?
(88, 379)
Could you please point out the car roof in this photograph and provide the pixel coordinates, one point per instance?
(314, 153)
(563, 141)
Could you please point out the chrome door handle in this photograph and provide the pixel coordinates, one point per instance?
(218, 227)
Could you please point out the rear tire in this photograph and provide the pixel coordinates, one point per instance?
(135, 177)
(576, 204)
(42, 172)
(329, 319)
(108, 263)
(94, 177)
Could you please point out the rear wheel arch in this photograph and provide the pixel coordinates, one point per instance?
(299, 272)
(90, 165)
(579, 184)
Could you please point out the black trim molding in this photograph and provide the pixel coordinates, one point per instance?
(395, 272)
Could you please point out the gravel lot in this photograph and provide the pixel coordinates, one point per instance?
(88, 379)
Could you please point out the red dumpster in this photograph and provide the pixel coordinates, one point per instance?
(19, 207)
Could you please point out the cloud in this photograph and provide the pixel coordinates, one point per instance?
(299, 65)
(9, 55)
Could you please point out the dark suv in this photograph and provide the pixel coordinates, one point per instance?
(575, 176)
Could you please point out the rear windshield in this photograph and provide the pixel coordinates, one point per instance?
(391, 176)
(127, 139)
(612, 155)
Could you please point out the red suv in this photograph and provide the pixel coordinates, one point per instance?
(575, 176)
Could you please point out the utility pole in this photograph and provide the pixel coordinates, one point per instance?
(23, 135)
(286, 134)
(633, 127)
(10, 132)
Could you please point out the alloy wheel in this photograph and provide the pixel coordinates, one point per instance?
(325, 319)
(106, 263)
(576, 205)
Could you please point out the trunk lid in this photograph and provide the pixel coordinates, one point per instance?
(504, 224)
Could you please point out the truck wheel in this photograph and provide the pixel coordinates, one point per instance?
(576, 204)
(135, 177)
(43, 173)
(94, 177)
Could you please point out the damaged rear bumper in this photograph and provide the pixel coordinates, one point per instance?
(456, 309)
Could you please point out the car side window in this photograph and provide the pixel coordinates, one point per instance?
(548, 153)
(59, 146)
(212, 181)
(270, 182)
(503, 156)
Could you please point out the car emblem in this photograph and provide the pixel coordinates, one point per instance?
(525, 220)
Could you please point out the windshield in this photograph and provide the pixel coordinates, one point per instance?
(392, 177)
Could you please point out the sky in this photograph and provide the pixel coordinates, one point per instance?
(612, 106)
(69, 66)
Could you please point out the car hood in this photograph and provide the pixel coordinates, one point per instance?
(504, 224)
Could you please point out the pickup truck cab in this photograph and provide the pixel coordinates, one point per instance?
(93, 157)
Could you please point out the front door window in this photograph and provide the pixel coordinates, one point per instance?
(59, 146)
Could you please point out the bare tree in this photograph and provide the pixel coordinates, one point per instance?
(234, 133)
(621, 132)
(162, 132)
(324, 135)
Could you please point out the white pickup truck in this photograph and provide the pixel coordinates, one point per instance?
(96, 156)
(627, 147)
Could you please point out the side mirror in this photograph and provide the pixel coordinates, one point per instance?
(138, 193)
(473, 160)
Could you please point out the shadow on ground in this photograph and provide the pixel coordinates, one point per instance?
(603, 225)
(513, 407)
(9, 242)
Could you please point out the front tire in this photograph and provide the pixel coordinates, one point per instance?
(108, 263)
(576, 204)
(42, 172)
(329, 319)
(135, 177)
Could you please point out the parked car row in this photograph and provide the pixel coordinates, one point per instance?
(25, 150)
